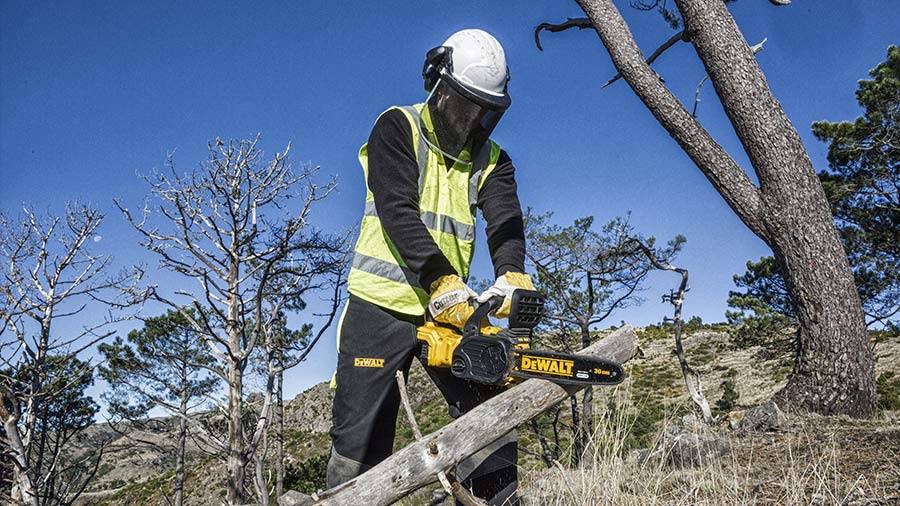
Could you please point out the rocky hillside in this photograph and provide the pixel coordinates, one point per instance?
(655, 402)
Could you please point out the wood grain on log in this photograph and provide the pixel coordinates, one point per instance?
(417, 464)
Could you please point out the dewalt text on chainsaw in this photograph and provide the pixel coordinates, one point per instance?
(496, 356)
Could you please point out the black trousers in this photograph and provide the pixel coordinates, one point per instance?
(374, 343)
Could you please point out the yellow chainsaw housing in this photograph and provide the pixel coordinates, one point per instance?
(441, 341)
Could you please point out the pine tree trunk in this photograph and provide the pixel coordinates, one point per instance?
(279, 430)
(180, 450)
(576, 430)
(834, 368)
(235, 460)
(22, 486)
(587, 412)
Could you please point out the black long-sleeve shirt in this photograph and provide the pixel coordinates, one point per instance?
(393, 179)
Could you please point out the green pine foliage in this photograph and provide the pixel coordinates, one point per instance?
(887, 388)
(307, 476)
(862, 184)
(762, 313)
(729, 398)
(155, 366)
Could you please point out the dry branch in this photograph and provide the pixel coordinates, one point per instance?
(454, 489)
(417, 464)
(692, 379)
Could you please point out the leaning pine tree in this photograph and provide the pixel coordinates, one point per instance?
(834, 365)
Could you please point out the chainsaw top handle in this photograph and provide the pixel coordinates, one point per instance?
(525, 312)
(473, 324)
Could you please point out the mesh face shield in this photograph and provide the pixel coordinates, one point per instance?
(461, 117)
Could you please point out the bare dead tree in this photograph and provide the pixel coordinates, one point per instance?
(50, 274)
(586, 276)
(239, 229)
(834, 365)
(692, 378)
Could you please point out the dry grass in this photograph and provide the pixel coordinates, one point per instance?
(811, 461)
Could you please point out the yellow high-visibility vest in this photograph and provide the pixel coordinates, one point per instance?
(447, 198)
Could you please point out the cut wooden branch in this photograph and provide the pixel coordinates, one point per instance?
(417, 464)
(454, 489)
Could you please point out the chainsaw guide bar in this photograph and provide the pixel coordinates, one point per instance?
(565, 369)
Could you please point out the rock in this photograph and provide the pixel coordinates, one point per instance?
(733, 419)
(438, 496)
(294, 498)
(765, 417)
(637, 456)
(690, 446)
(683, 445)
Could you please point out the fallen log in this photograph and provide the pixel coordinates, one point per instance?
(417, 464)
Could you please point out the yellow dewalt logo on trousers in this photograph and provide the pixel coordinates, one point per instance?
(368, 362)
(545, 365)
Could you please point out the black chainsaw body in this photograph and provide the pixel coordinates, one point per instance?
(489, 358)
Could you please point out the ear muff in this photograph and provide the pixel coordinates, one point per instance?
(437, 59)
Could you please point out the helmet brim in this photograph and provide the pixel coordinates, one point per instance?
(486, 100)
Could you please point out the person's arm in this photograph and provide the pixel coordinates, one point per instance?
(499, 203)
(394, 182)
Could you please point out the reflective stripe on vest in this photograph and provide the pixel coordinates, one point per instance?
(435, 221)
(447, 200)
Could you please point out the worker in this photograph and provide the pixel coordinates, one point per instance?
(427, 168)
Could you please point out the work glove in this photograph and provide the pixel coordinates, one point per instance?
(449, 301)
(504, 287)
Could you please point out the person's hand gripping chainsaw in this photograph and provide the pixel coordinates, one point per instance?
(504, 287)
(449, 301)
(450, 297)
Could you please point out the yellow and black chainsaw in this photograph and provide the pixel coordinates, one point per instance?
(497, 356)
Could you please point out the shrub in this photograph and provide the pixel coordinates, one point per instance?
(307, 476)
(887, 389)
(729, 396)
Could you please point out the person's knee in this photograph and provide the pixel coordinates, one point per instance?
(342, 469)
(492, 473)
(497, 487)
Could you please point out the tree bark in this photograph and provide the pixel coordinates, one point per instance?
(577, 436)
(834, 370)
(587, 412)
(279, 428)
(180, 449)
(236, 463)
(417, 464)
(23, 488)
(262, 489)
(834, 367)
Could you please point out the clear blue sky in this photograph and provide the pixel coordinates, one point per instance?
(91, 92)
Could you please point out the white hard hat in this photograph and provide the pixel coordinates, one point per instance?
(478, 61)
